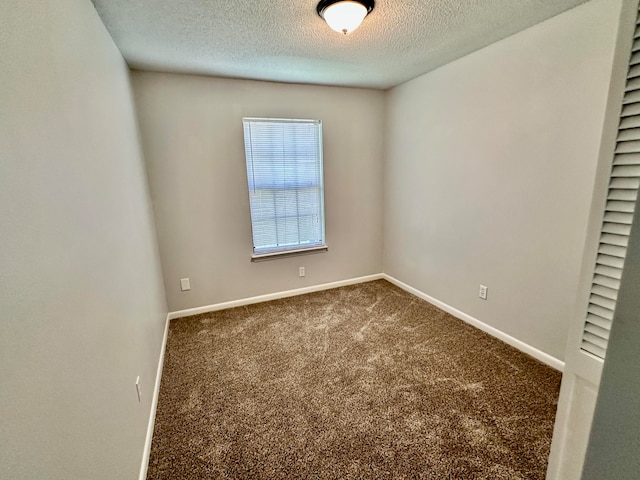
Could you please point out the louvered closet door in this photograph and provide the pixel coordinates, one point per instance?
(623, 191)
(588, 340)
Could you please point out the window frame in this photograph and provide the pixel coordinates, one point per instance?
(297, 249)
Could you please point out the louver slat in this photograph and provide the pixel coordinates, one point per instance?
(612, 250)
(595, 340)
(606, 281)
(627, 159)
(631, 97)
(617, 217)
(630, 133)
(616, 228)
(607, 271)
(621, 241)
(597, 331)
(634, 72)
(628, 183)
(628, 147)
(609, 261)
(605, 292)
(626, 170)
(618, 206)
(630, 122)
(603, 302)
(623, 195)
(599, 321)
(600, 312)
(633, 84)
(632, 109)
(593, 349)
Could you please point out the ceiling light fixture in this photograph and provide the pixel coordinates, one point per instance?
(344, 16)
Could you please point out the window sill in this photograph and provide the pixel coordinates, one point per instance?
(288, 253)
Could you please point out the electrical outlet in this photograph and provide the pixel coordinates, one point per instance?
(185, 284)
(139, 388)
(301, 272)
(483, 292)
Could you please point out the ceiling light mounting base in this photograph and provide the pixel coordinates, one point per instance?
(344, 16)
(323, 4)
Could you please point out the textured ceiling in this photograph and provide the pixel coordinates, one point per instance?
(285, 40)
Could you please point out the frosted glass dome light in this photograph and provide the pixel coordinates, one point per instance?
(344, 16)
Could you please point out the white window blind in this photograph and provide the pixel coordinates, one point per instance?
(284, 175)
(621, 200)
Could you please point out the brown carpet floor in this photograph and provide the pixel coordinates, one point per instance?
(365, 381)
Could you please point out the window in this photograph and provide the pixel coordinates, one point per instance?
(284, 175)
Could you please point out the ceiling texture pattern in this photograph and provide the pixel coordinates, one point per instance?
(286, 40)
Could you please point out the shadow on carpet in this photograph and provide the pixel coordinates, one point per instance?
(365, 381)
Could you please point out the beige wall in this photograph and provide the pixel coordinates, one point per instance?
(193, 142)
(81, 299)
(489, 171)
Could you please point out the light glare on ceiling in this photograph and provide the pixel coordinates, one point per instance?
(344, 16)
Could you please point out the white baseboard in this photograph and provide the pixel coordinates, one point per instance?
(272, 296)
(154, 405)
(514, 342)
